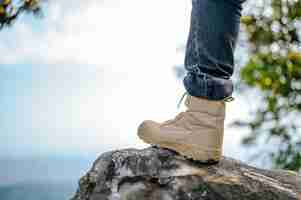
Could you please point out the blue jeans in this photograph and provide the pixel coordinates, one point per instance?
(210, 47)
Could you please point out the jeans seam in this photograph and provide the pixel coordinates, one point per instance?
(196, 69)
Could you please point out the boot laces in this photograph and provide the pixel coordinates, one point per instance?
(181, 100)
(227, 99)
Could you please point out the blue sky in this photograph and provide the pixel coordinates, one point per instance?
(81, 80)
(37, 106)
(16, 85)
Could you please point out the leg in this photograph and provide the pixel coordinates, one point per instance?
(210, 47)
(198, 132)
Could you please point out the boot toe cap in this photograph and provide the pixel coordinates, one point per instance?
(147, 129)
(146, 126)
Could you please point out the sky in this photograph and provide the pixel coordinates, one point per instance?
(80, 80)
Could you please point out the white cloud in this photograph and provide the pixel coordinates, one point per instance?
(133, 45)
(133, 41)
(121, 33)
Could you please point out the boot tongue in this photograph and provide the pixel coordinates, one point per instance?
(200, 104)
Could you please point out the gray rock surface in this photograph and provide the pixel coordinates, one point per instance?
(160, 174)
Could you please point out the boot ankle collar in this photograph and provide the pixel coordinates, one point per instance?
(200, 104)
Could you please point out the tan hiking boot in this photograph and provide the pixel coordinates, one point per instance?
(196, 133)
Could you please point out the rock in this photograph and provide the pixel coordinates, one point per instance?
(160, 174)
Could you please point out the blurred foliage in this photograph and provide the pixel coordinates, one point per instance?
(10, 10)
(274, 70)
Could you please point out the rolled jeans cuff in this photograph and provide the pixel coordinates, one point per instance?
(206, 86)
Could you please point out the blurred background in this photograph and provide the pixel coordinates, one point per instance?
(77, 78)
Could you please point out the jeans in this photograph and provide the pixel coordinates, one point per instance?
(210, 47)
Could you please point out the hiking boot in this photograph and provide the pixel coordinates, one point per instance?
(196, 133)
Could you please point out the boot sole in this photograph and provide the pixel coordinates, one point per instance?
(189, 151)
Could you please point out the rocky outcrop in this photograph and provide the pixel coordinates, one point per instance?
(160, 174)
